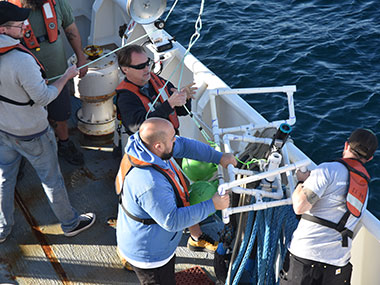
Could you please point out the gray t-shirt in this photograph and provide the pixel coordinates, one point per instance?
(315, 242)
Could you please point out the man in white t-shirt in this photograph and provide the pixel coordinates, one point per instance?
(330, 199)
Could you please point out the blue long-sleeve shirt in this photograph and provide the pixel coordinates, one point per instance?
(147, 194)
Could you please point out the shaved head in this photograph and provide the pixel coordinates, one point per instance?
(154, 130)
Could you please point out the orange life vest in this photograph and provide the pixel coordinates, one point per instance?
(51, 24)
(357, 186)
(128, 162)
(157, 84)
(20, 47)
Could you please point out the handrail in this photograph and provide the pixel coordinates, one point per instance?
(288, 89)
(298, 164)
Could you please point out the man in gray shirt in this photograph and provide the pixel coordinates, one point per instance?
(330, 199)
(24, 128)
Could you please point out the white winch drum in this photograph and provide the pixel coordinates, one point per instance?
(101, 79)
(96, 91)
(97, 113)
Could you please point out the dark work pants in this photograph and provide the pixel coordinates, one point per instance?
(163, 275)
(300, 271)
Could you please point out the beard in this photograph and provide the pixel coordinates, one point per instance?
(32, 4)
(167, 155)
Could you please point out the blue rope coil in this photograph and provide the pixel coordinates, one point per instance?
(244, 243)
(270, 233)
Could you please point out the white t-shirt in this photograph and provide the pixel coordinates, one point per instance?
(316, 242)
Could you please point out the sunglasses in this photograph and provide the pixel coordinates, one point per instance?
(142, 65)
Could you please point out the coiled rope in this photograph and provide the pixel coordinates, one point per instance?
(271, 233)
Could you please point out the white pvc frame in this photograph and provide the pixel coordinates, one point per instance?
(235, 185)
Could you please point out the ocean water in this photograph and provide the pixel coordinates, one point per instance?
(329, 50)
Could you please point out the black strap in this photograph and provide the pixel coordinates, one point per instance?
(10, 101)
(42, 38)
(340, 226)
(342, 223)
(137, 219)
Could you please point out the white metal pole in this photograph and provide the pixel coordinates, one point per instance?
(245, 138)
(262, 175)
(259, 206)
(257, 90)
(216, 133)
(289, 175)
(274, 195)
(292, 114)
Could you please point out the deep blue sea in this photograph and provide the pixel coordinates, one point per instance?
(329, 49)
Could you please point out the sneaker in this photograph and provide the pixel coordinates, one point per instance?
(85, 221)
(3, 239)
(125, 263)
(68, 151)
(204, 243)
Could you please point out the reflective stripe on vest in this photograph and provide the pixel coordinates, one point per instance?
(157, 84)
(180, 189)
(51, 24)
(357, 186)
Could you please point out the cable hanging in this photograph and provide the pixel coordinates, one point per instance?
(192, 41)
(171, 10)
(105, 55)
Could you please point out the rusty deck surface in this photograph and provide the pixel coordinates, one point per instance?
(36, 252)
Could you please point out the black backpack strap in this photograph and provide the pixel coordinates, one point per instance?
(340, 226)
(10, 101)
(137, 219)
(342, 223)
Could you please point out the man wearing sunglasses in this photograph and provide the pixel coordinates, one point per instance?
(137, 93)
